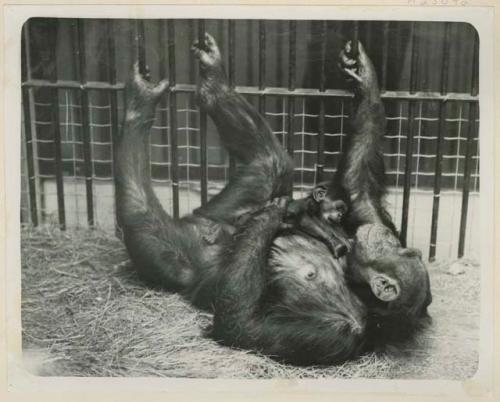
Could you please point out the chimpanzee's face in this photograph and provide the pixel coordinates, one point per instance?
(330, 210)
(397, 276)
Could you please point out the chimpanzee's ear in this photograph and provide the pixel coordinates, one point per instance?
(410, 252)
(319, 193)
(384, 287)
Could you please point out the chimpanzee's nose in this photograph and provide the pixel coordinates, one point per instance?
(340, 250)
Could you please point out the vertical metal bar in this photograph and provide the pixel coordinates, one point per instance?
(355, 39)
(140, 48)
(174, 163)
(28, 135)
(113, 104)
(262, 65)
(231, 51)
(292, 50)
(58, 160)
(473, 112)
(231, 76)
(439, 145)
(320, 163)
(466, 183)
(29, 157)
(203, 133)
(475, 66)
(385, 55)
(162, 34)
(86, 134)
(409, 141)
(54, 96)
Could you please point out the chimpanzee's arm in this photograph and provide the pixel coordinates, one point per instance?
(244, 277)
(360, 175)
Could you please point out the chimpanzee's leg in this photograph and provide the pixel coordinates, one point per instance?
(264, 170)
(164, 251)
(360, 175)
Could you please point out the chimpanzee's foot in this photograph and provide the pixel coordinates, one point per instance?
(142, 95)
(358, 69)
(213, 77)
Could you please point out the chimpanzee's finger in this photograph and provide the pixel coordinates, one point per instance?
(196, 50)
(209, 40)
(161, 87)
(347, 60)
(349, 72)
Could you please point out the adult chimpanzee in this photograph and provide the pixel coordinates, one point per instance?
(391, 280)
(272, 286)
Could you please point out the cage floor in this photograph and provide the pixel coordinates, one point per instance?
(85, 313)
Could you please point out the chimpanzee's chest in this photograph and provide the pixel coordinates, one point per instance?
(294, 251)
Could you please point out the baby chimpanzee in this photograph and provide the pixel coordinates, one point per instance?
(320, 217)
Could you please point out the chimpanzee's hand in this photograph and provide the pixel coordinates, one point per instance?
(358, 69)
(281, 205)
(208, 53)
(142, 95)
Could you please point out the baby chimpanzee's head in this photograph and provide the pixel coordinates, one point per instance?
(330, 210)
(397, 276)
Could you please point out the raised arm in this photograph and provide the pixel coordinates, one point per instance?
(360, 174)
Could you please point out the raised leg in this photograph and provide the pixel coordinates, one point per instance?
(264, 170)
(164, 251)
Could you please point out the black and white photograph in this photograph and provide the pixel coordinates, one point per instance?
(251, 198)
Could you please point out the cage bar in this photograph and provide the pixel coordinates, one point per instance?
(28, 134)
(163, 62)
(466, 182)
(439, 145)
(475, 66)
(79, 37)
(262, 66)
(292, 50)
(203, 133)
(58, 160)
(409, 140)
(320, 162)
(174, 160)
(355, 39)
(385, 55)
(473, 112)
(54, 96)
(29, 157)
(267, 91)
(231, 77)
(113, 104)
(139, 42)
